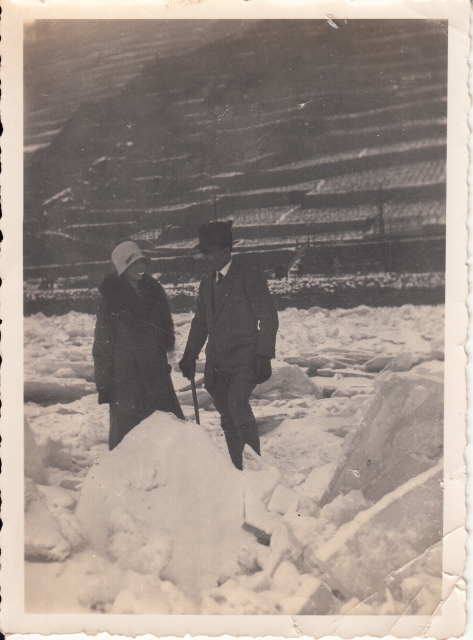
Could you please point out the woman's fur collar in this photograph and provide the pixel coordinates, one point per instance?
(151, 306)
(121, 296)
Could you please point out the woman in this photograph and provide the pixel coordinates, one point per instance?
(133, 333)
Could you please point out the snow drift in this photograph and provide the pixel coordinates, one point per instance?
(167, 502)
(347, 492)
(400, 436)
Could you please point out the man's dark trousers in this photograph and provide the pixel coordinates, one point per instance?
(239, 323)
(231, 395)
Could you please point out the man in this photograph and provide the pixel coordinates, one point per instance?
(236, 313)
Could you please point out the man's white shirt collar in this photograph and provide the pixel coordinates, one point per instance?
(223, 270)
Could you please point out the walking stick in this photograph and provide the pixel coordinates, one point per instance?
(194, 399)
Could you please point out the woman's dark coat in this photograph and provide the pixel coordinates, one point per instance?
(133, 334)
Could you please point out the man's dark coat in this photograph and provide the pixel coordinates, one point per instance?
(237, 316)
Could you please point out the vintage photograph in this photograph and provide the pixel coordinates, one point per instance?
(234, 281)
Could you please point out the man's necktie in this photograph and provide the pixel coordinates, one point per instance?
(219, 277)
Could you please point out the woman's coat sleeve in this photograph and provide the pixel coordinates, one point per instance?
(199, 330)
(102, 349)
(166, 321)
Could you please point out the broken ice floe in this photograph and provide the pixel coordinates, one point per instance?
(342, 452)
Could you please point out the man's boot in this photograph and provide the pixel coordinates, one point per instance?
(235, 449)
(234, 442)
(249, 434)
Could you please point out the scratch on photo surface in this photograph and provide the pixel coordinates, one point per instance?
(391, 575)
(331, 22)
(437, 611)
(297, 628)
(410, 562)
(460, 586)
(172, 3)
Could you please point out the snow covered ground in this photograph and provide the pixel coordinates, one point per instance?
(165, 524)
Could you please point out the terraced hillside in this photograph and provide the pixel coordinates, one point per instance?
(72, 61)
(303, 134)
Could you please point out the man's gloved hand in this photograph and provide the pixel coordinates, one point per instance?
(105, 396)
(262, 368)
(187, 364)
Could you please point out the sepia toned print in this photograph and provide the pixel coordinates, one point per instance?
(183, 180)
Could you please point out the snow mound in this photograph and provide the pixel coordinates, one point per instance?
(382, 330)
(287, 381)
(62, 390)
(48, 366)
(175, 529)
(166, 481)
(43, 539)
(58, 363)
(400, 436)
(135, 545)
(33, 465)
(150, 595)
(361, 555)
(66, 435)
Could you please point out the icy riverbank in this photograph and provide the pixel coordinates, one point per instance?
(327, 409)
(347, 291)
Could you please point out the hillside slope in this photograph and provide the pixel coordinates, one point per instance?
(315, 123)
